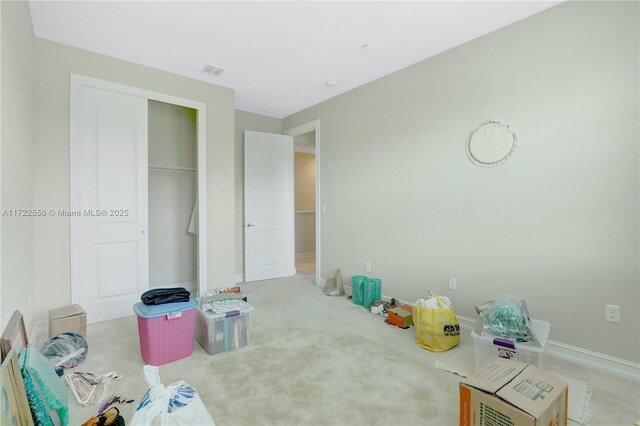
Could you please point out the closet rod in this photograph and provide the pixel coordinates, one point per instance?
(172, 169)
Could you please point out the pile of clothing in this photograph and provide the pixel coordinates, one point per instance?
(222, 294)
(160, 296)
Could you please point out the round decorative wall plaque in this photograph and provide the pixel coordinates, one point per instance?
(491, 144)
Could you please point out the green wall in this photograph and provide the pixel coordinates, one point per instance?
(17, 244)
(558, 224)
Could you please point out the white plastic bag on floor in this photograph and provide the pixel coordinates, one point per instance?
(335, 287)
(173, 405)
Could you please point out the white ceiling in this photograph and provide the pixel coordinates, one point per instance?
(276, 53)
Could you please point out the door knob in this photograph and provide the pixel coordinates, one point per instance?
(249, 225)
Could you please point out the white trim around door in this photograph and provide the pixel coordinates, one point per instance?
(313, 126)
(76, 82)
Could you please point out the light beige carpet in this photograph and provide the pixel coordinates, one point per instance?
(318, 360)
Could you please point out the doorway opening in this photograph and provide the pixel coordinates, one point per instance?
(312, 129)
(172, 196)
(305, 204)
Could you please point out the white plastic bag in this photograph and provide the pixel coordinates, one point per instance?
(432, 302)
(173, 405)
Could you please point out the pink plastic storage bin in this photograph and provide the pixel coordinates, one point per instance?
(166, 331)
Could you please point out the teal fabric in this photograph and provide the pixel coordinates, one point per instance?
(44, 387)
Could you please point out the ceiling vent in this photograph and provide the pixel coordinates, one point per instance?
(269, 108)
(213, 69)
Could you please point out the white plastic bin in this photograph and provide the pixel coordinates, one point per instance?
(218, 333)
(487, 348)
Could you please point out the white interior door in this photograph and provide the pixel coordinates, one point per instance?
(268, 206)
(113, 264)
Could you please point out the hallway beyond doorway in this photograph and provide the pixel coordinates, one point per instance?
(306, 267)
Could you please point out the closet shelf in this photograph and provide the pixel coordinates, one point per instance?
(171, 169)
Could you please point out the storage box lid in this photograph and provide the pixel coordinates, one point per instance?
(245, 310)
(495, 375)
(540, 329)
(401, 312)
(532, 391)
(152, 311)
(66, 311)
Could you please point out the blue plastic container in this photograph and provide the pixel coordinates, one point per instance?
(152, 311)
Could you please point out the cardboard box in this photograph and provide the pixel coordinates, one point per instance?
(509, 392)
(68, 318)
(400, 317)
(407, 308)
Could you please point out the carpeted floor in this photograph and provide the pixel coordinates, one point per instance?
(306, 268)
(317, 360)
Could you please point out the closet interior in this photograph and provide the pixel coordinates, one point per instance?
(172, 196)
(305, 203)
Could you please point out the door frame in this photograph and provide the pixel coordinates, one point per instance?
(296, 131)
(76, 81)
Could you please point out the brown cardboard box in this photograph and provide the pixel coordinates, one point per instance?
(400, 317)
(407, 308)
(512, 392)
(68, 318)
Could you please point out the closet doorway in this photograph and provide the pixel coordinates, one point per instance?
(137, 195)
(308, 209)
(172, 196)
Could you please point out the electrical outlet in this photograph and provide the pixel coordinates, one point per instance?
(367, 266)
(453, 283)
(612, 313)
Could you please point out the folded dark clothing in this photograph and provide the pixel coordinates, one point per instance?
(159, 296)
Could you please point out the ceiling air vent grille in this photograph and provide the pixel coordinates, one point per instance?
(270, 108)
(213, 69)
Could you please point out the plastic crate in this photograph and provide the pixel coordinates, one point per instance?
(372, 291)
(166, 331)
(218, 333)
(488, 348)
(357, 288)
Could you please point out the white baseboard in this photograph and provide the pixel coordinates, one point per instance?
(388, 299)
(584, 357)
(466, 323)
(38, 328)
(239, 278)
(595, 360)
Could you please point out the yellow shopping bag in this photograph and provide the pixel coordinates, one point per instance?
(437, 329)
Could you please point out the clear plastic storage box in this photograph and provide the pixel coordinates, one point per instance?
(218, 333)
(488, 348)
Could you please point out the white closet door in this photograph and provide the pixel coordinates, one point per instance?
(112, 197)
